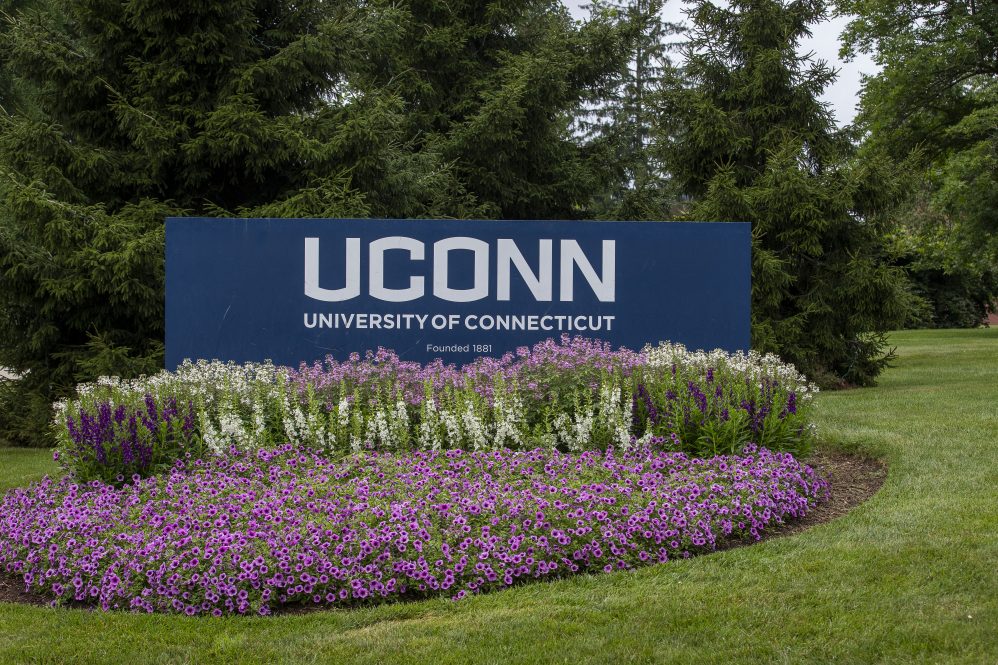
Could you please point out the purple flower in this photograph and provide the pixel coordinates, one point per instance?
(246, 534)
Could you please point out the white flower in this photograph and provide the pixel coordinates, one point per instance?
(474, 429)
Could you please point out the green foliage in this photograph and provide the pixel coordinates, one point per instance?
(967, 180)
(759, 146)
(936, 59)
(935, 102)
(625, 114)
(149, 109)
(957, 282)
(12, 91)
(495, 87)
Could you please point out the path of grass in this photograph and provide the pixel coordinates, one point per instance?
(908, 577)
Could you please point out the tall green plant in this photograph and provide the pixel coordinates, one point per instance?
(495, 87)
(934, 101)
(759, 146)
(624, 116)
(948, 266)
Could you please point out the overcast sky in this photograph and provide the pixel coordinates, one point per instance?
(842, 95)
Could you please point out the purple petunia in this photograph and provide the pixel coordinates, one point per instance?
(248, 533)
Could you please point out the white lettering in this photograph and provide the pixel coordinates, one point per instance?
(352, 287)
(603, 286)
(540, 284)
(376, 269)
(441, 283)
(538, 279)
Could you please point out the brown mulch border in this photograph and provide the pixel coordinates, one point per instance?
(852, 479)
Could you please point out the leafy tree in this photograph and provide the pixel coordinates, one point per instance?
(957, 282)
(935, 103)
(153, 108)
(759, 146)
(936, 59)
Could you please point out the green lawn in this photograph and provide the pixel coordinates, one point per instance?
(911, 576)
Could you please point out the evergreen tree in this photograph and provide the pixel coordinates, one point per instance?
(626, 113)
(12, 97)
(494, 86)
(759, 146)
(152, 108)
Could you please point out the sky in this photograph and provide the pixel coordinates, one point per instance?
(842, 95)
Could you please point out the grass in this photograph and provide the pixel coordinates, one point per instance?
(907, 577)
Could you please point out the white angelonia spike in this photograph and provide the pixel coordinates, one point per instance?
(473, 426)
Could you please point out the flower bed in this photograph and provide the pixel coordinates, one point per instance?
(571, 395)
(250, 532)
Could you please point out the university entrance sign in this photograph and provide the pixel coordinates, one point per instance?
(294, 290)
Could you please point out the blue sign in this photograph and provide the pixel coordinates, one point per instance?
(293, 290)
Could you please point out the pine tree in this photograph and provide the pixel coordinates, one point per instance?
(153, 108)
(494, 86)
(627, 112)
(12, 96)
(759, 146)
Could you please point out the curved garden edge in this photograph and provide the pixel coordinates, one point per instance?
(853, 478)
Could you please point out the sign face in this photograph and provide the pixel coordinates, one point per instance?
(293, 290)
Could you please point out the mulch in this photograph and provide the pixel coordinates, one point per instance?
(852, 480)
(12, 591)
